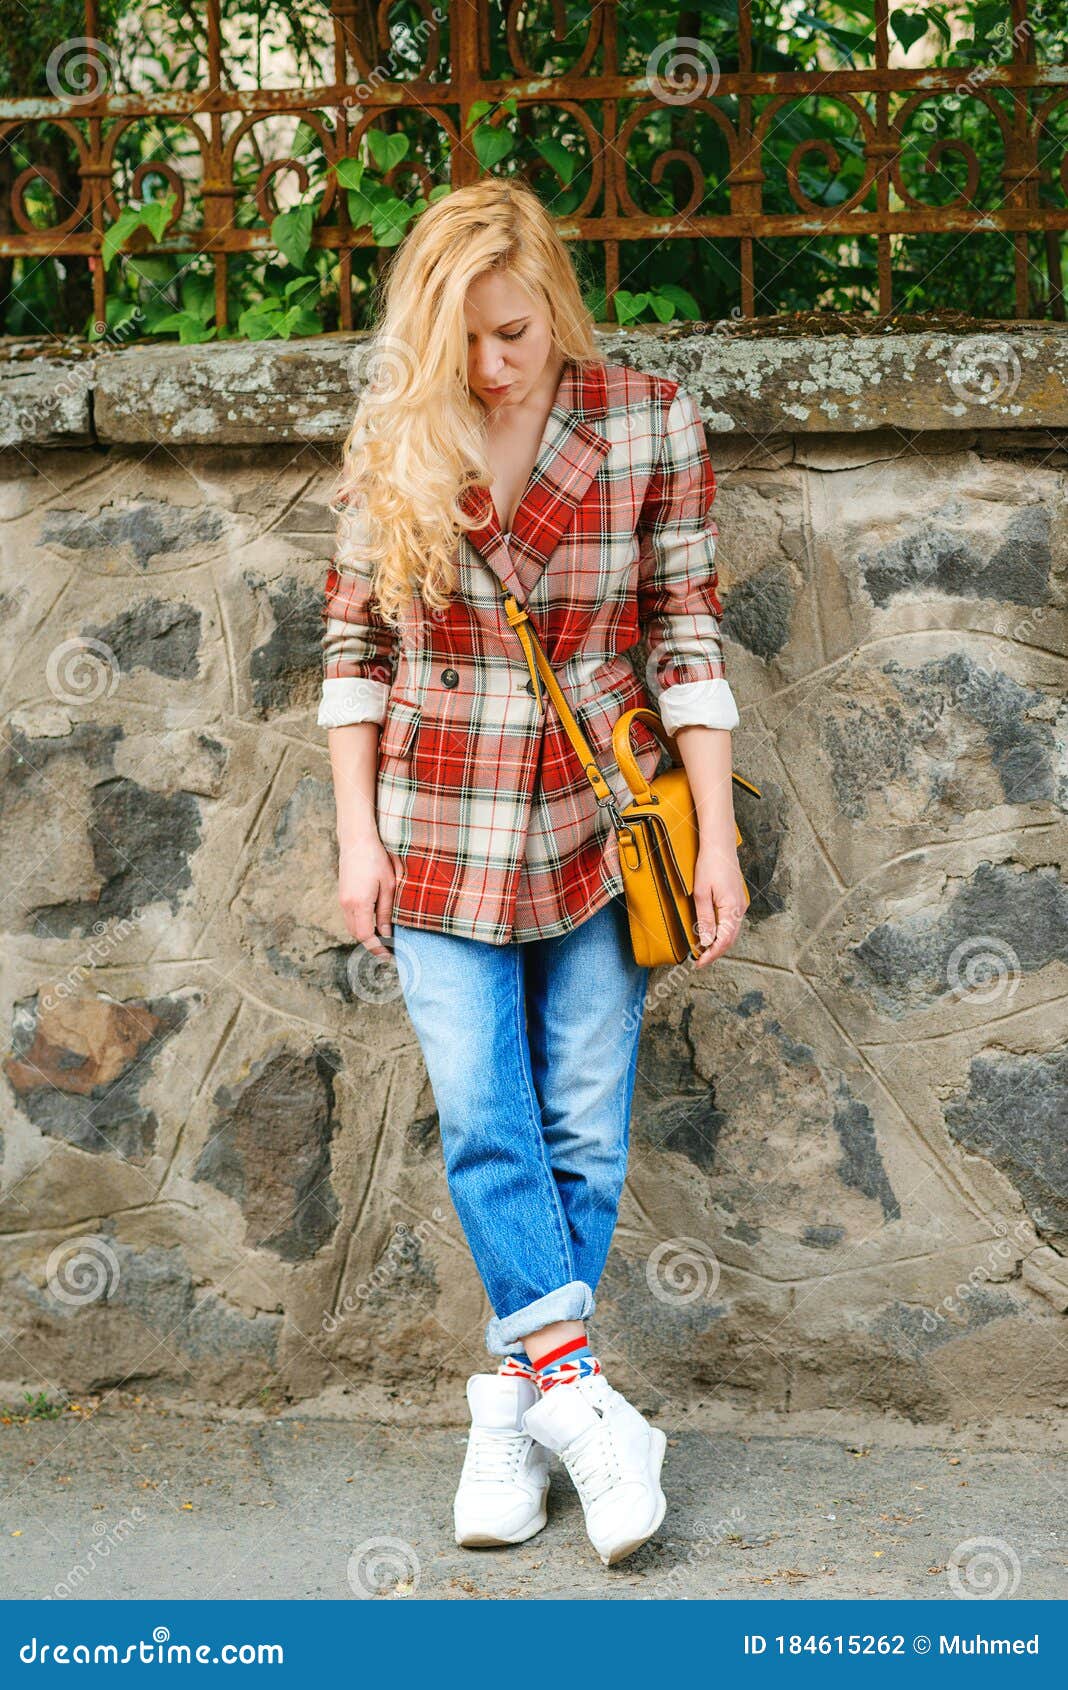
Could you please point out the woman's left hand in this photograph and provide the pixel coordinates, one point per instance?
(719, 896)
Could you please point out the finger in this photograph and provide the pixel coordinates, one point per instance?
(730, 925)
(707, 924)
(360, 921)
(384, 908)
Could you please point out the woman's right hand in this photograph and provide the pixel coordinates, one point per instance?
(366, 883)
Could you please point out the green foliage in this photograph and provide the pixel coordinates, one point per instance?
(158, 285)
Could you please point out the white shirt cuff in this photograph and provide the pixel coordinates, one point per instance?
(353, 698)
(703, 704)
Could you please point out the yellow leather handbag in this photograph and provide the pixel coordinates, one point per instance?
(657, 833)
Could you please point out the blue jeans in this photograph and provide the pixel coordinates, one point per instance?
(531, 1049)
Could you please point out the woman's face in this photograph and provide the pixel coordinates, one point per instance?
(509, 340)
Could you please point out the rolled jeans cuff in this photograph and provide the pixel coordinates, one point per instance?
(573, 1301)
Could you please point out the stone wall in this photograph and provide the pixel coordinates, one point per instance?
(849, 1180)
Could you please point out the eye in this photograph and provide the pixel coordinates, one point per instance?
(518, 335)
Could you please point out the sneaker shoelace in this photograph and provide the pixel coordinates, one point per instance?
(494, 1457)
(594, 1464)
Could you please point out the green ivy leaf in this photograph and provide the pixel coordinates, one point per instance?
(156, 214)
(630, 305)
(491, 145)
(559, 158)
(386, 150)
(685, 304)
(155, 268)
(260, 321)
(361, 210)
(119, 233)
(300, 321)
(198, 296)
(349, 171)
(291, 233)
(907, 27)
(304, 140)
(391, 221)
(302, 288)
(663, 307)
(191, 330)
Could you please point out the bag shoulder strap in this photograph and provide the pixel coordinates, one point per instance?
(539, 664)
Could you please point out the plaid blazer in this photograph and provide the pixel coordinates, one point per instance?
(480, 796)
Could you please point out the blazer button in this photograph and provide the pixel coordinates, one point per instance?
(449, 677)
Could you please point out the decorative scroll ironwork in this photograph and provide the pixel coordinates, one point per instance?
(746, 109)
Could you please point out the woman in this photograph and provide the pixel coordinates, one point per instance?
(497, 450)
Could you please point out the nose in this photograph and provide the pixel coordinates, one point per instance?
(488, 366)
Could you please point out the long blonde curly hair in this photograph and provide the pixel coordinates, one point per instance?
(418, 438)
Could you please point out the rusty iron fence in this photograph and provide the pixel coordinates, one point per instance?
(746, 106)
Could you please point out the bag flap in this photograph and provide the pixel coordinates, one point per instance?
(675, 823)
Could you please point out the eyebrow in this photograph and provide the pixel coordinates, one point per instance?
(510, 324)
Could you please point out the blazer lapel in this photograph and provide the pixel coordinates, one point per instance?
(571, 452)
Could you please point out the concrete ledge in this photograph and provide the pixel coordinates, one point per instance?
(250, 394)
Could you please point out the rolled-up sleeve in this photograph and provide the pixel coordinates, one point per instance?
(359, 648)
(677, 576)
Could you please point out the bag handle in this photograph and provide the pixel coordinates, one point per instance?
(623, 752)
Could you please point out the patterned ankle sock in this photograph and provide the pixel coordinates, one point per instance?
(563, 1366)
(518, 1367)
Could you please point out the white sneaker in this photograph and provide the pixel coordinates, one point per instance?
(505, 1478)
(614, 1457)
